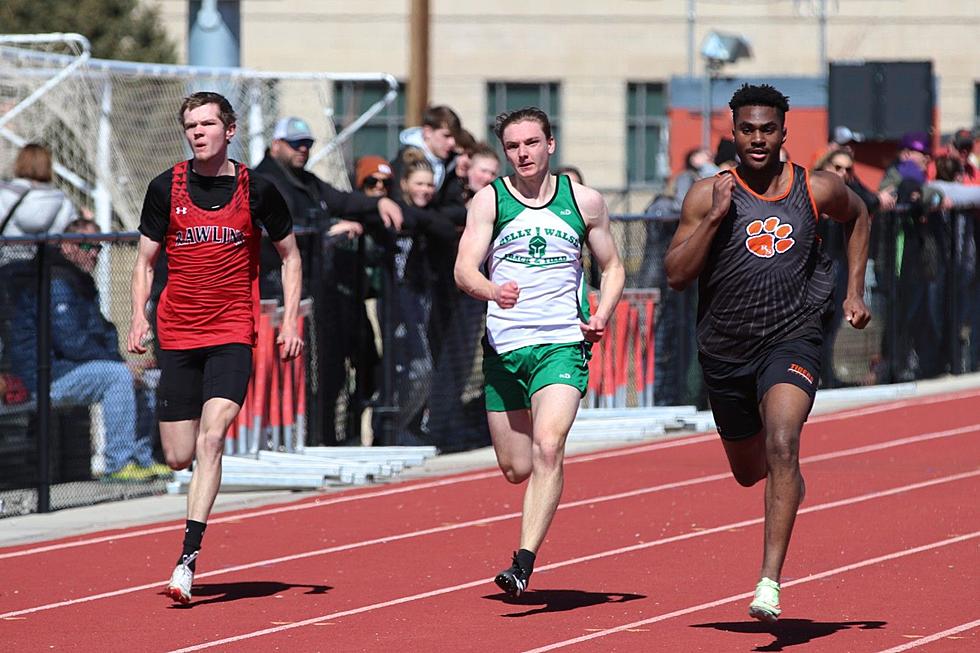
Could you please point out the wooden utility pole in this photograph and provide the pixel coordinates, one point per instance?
(418, 62)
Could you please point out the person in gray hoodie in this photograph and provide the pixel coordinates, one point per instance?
(436, 138)
(30, 203)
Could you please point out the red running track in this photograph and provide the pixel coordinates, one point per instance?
(654, 548)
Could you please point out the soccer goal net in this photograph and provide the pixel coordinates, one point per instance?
(113, 125)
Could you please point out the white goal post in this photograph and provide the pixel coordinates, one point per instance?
(113, 125)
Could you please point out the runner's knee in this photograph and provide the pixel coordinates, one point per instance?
(548, 454)
(515, 473)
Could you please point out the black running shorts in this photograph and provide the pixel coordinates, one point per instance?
(736, 389)
(189, 377)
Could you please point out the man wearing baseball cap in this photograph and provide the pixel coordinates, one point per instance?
(310, 199)
(312, 202)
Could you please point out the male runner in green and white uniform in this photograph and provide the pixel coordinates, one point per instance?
(529, 228)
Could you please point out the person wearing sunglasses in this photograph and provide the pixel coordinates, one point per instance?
(371, 175)
(86, 365)
(311, 200)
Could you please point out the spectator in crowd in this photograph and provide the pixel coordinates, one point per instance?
(573, 173)
(86, 366)
(313, 202)
(436, 139)
(951, 177)
(961, 149)
(412, 295)
(455, 330)
(372, 175)
(726, 157)
(484, 168)
(676, 310)
(30, 203)
(840, 161)
(335, 213)
(920, 267)
(453, 192)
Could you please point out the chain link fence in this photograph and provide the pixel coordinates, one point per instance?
(394, 356)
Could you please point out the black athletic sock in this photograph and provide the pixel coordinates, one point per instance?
(193, 534)
(525, 559)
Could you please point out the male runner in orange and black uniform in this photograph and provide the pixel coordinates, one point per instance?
(765, 289)
(207, 213)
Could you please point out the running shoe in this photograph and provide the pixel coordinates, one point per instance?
(765, 605)
(513, 580)
(159, 471)
(130, 473)
(181, 580)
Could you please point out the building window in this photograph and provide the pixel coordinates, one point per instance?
(646, 134)
(507, 96)
(976, 105)
(380, 135)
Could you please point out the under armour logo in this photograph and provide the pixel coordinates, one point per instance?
(181, 210)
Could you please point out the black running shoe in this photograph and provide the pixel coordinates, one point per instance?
(513, 580)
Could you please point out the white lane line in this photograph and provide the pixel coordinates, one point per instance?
(679, 442)
(476, 583)
(745, 595)
(934, 637)
(320, 503)
(515, 515)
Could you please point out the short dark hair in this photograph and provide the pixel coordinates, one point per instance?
(508, 118)
(201, 98)
(441, 116)
(763, 95)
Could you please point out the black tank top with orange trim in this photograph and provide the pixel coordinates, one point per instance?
(766, 275)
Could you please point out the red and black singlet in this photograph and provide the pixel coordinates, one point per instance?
(211, 297)
(766, 274)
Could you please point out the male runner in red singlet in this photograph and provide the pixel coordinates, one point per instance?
(749, 236)
(207, 213)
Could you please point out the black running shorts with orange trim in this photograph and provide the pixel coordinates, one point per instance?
(735, 390)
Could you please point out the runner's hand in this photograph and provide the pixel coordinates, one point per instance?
(139, 332)
(856, 312)
(506, 295)
(721, 195)
(595, 329)
(290, 344)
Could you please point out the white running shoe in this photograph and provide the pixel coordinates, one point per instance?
(765, 605)
(181, 580)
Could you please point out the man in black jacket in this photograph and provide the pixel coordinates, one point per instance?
(314, 203)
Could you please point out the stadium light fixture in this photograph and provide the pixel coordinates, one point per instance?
(717, 50)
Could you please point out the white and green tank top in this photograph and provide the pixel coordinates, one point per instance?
(541, 249)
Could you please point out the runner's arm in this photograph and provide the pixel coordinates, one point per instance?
(146, 257)
(473, 247)
(292, 285)
(604, 252)
(705, 206)
(843, 205)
